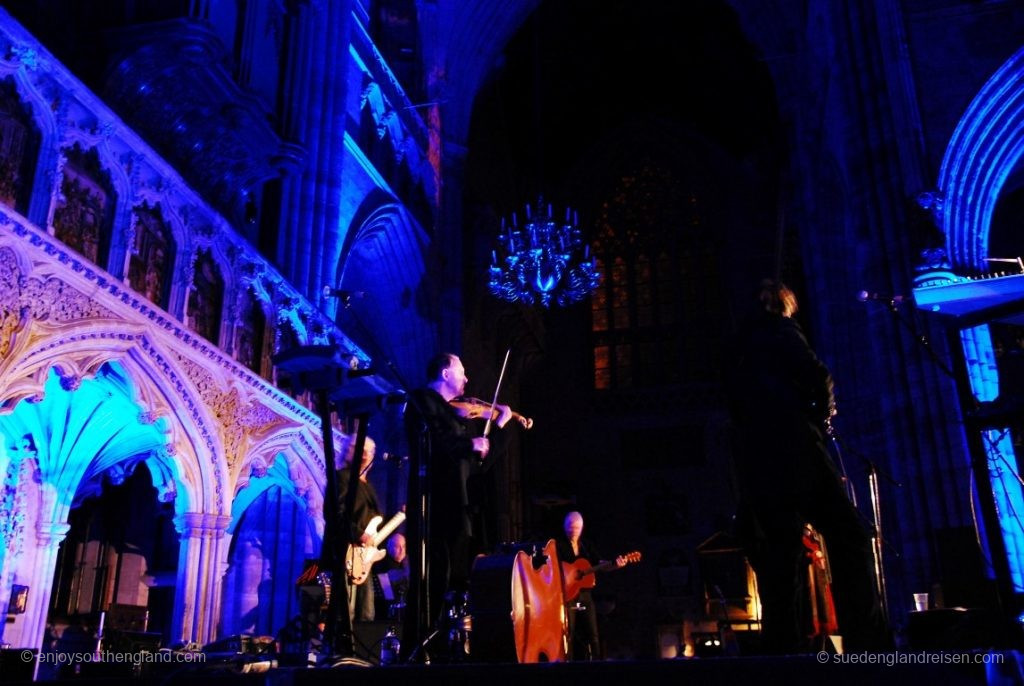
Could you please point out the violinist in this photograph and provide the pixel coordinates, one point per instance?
(447, 447)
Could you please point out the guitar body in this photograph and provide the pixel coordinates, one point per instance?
(359, 559)
(578, 575)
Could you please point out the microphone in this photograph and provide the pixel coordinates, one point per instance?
(865, 296)
(330, 292)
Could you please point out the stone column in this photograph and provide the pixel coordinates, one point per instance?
(314, 117)
(198, 588)
(48, 537)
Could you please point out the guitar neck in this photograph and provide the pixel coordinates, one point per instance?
(603, 567)
(386, 530)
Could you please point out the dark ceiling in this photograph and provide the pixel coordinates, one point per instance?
(576, 70)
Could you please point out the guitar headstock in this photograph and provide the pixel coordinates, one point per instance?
(632, 557)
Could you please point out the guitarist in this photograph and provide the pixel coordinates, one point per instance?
(782, 395)
(584, 642)
(360, 597)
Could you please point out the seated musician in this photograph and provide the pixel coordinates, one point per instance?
(393, 577)
(584, 641)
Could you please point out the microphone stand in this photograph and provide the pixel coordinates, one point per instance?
(318, 369)
(920, 338)
(877, 541)
(418, 613)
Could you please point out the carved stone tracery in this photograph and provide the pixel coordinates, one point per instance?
(28, 297)
(239, 417)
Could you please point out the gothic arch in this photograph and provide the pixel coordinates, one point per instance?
(985, 147)
(388, 259)
(77, 350)
(301, 455)
(270, 535)
(138, 250)
(70, 136)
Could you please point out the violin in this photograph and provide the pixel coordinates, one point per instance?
(474, 408)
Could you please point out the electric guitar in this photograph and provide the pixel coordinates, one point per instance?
(360, 558)
(580, 574)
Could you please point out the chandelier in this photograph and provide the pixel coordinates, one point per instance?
(544, 260)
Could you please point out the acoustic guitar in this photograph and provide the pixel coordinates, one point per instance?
(580, 574)
(360, 558)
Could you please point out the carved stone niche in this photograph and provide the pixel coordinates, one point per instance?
(19, 148)
(152, 255)
(84, 217)
(250, 333)
(206, 298)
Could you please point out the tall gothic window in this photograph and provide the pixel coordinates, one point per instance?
(19, 148)
(84, 217)
(206, 298)
(152, 257)
(649, 318)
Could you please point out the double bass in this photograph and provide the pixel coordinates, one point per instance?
(823, 607)
(517, 607)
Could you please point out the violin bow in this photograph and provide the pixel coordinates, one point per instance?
(494, 401)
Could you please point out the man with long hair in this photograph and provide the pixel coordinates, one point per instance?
(782, 400)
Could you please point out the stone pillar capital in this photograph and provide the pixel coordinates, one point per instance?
(50, 534)
(201, 525)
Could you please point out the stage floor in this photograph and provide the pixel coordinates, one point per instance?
(905, 668)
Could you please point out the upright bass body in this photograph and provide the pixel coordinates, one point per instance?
(517, 607)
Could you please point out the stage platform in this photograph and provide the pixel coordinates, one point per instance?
(804, 669)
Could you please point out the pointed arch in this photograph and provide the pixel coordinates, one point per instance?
(984, 149)
(86, 204)
(388, 258)
(77, 350)
(294, 455)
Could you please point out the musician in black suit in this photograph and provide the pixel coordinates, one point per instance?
(782, 400)
(360, 596)
(447, 450)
